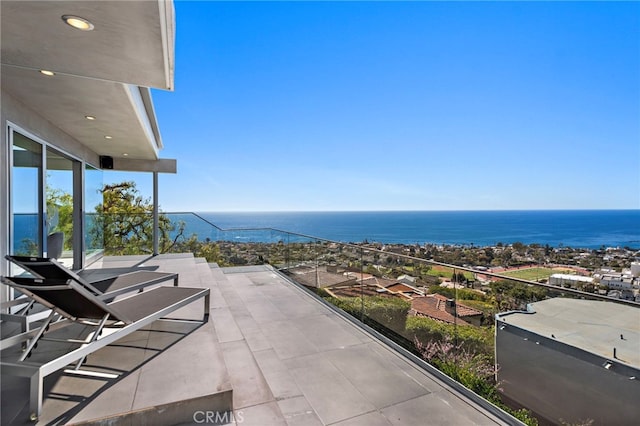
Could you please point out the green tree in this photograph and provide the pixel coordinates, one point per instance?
(59, 219)
(60, 214)
(506, 256)
(124, 225)
(519, 247)
(514, 295)
(124, 221)
(458, 277)
(206, 249)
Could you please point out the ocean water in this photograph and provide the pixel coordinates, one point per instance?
(570, 228)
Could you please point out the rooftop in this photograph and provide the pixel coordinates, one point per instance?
(434, 306)
(572, 277)
(594, 326)
(271, 351)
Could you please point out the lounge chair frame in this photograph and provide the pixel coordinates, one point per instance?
(115, 285)
(38, 288)
(106, 288)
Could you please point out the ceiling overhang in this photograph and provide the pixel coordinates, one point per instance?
(105, 73)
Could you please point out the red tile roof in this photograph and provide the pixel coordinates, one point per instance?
(434, 306)
(462, 310)
(399, 287)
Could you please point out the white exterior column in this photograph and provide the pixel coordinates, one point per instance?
(156, 217)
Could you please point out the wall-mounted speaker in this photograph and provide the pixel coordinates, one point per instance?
(106, 162)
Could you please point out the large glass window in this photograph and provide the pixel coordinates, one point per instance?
(26, 190)
(42, 193)
(59, 207)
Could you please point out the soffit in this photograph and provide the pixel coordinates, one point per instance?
(97, 72)
(65, 101)
(132, 41)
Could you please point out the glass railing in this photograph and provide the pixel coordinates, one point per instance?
(445, 313)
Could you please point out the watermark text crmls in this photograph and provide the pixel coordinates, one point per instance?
(217, 417)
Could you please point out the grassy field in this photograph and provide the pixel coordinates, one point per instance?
(531, 274)
(442, 271)
(535, 274)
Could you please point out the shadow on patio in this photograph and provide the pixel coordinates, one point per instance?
(273, 353)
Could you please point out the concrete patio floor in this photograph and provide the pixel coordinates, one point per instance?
(270, 352)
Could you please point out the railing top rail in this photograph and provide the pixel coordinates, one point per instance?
(199, 217)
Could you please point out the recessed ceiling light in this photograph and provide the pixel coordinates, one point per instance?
(125, 154)
(89, 117)
(78, 22)
(47, 72)
(108, 137)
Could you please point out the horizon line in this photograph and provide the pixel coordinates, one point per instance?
(417, 210)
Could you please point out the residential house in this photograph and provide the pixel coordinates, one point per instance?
(444, 309)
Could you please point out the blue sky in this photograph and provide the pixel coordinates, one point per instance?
(293, 106)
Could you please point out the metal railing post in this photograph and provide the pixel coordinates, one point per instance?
(361, 284)
(156, 216)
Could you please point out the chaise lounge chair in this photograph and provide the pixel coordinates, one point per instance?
(106, 288)
(77, 304)
(47, 268)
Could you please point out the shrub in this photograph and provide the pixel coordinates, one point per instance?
(388, 312)
(475, 339)
(474, 371)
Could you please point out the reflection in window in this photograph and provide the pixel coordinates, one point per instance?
(59, 204)
(93, 237)
(25, 190)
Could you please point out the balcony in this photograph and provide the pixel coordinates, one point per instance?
(309, 331)
(271, 354)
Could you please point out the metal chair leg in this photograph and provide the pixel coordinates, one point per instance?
(95, 336)
(37, 337)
